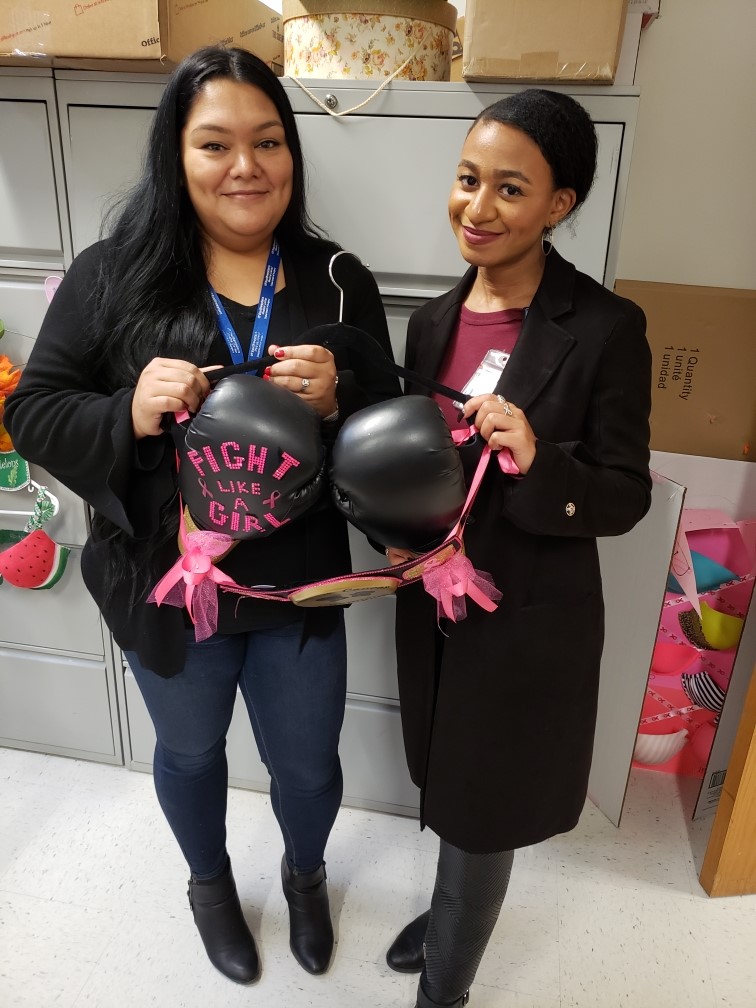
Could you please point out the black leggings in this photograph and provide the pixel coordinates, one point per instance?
(467, 898)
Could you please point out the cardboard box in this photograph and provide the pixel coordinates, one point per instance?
(157, 31)
(543, 40)
(703, 341)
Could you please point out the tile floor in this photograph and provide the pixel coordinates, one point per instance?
(93, 911)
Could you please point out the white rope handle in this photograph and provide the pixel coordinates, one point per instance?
(370, 97)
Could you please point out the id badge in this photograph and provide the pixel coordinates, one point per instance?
(486, 375)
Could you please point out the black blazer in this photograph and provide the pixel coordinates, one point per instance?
(499, 711)
(61, 419)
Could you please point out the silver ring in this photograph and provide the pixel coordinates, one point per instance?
(505, 404)
(305, 384)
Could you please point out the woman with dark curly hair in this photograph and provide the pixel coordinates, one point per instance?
(498, 710)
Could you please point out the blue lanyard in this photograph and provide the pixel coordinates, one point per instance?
(262, 320)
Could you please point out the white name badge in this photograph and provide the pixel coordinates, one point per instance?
(486, 375)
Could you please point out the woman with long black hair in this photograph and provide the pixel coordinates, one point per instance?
(212, 259)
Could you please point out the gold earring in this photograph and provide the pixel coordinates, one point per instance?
(546, 239)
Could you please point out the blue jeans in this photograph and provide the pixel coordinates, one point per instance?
(295, 694)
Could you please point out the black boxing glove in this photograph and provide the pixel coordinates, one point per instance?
(251, 459)
(396, 474)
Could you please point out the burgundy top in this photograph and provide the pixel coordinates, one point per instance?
(476, 334)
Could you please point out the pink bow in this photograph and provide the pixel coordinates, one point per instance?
(193, 581)
(449, 582)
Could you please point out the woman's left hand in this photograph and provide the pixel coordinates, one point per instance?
(503, 425)
(309, 371)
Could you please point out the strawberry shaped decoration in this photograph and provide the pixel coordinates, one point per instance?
(35, 562)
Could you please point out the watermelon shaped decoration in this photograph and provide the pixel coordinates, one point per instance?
(9, 537)
(35, 562)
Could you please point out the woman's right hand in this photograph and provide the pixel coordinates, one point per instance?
(166, 386)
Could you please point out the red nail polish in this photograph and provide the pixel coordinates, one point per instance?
(279, 353)
(266, 374)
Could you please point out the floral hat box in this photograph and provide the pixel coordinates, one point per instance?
(369, 39)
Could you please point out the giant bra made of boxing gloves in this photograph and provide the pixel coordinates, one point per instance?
(251, 461)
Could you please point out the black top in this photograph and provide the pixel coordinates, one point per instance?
(61, 420)
(242, 318)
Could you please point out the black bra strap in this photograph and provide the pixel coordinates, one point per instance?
(376, 355)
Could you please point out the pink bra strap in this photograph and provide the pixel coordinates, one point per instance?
(471, 493)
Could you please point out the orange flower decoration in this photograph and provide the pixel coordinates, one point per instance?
(9, 378)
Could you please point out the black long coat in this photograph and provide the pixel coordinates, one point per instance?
(499, 710)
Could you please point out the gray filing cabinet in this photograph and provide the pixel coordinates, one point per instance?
(57, 675)
(378, 183)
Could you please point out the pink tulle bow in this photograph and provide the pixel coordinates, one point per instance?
(449, 582)
(193, 581)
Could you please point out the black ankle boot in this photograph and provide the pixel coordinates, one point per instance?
(407, 953)
(423, 1001)
(310, 928)
(218, 915)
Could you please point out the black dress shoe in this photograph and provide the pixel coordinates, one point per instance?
(224, 932)
(407, 953)
(310, 928)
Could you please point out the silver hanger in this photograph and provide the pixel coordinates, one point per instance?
(338, 287)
